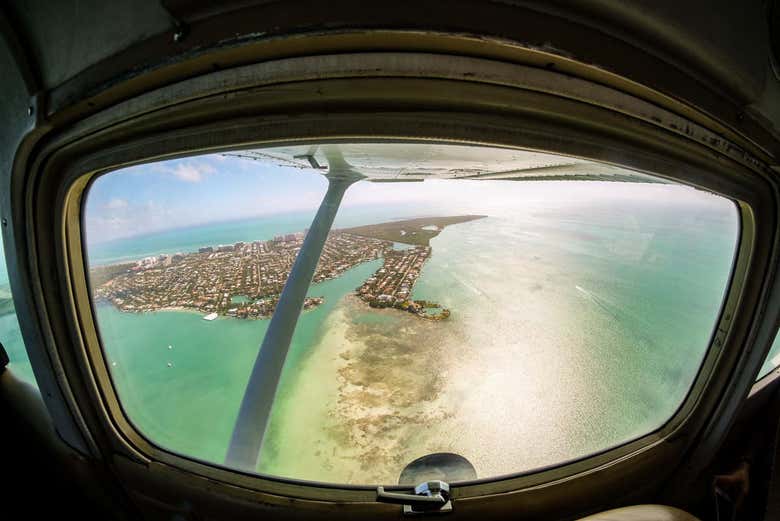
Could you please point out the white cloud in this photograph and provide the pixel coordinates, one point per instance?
(193, 172)
(116, 204)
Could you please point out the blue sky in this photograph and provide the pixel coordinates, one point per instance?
(183, 192)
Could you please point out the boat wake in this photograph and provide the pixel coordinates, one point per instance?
(636, 325)
(600, 302)
(470, 287)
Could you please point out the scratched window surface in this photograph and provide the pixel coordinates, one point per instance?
(516, 309)
(772, 361)
(10, 333)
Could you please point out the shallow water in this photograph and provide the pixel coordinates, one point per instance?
(190, 408)
(571, 331)
(561, 343)
(11, 337)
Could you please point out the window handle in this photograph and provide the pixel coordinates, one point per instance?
(428, 497)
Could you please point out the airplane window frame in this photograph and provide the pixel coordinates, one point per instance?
(72, 163)
(603, 457)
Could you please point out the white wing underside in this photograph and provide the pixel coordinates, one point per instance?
(405, 162)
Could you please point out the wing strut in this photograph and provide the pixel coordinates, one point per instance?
(252, 422)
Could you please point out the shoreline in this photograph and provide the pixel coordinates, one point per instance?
(208, 280)
(367, 428)
(184, 309)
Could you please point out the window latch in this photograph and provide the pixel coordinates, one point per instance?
(430, 497)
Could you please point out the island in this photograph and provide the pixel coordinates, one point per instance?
(245, 279)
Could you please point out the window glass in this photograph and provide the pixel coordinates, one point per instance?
(177, 251)
(515, 309)
(772, 359)
(10, 334)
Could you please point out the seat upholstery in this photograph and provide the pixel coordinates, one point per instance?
(642, 513)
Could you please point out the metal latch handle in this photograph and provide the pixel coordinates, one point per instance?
(430, 496)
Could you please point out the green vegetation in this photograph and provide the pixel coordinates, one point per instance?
(415, 307)
(410, 231)
(99, 275)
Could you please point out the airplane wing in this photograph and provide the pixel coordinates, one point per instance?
(405, 162)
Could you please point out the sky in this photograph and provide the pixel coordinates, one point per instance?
(179, 193)
(183, 192)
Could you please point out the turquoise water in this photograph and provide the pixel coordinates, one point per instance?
(185, 240)
(190, 408)
(10, 335)
(603, 315)
(574, 327)
(12, 341)
(230, 232)
(190, 239)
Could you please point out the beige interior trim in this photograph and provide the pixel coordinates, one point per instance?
(643, 513)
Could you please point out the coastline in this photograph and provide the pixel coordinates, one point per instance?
(210, 279)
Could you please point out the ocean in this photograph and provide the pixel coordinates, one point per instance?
(230, 232)
(576, 325)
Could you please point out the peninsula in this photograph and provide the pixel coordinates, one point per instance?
(245, 279)
(410, 231)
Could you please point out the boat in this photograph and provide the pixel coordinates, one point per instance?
(210, 316)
